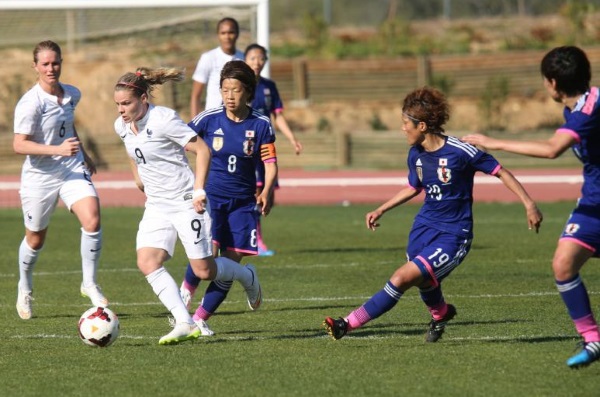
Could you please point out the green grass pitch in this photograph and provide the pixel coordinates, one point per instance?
(512, 334)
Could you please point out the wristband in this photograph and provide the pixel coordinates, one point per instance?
(199, 193)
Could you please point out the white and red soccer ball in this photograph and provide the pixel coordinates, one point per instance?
(98, 327)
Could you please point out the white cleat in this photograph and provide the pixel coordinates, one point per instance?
(181, 332)
(24, 304)
(94, 292)
(204, 328)
(186, 295)
(254, 292)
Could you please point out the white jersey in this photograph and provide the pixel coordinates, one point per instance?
(208, 72)
(158, 150)
(39, 115)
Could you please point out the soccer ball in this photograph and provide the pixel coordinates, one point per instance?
(98, 327)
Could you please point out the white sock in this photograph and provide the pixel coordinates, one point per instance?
(27, 259)
(229, 270)
(167, 291)
(91, 246)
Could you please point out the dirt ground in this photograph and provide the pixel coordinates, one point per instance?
(518, 113)
(93, 72)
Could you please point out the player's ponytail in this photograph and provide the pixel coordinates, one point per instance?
(144, 79)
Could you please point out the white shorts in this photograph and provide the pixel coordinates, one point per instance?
(39, 203)
(160, 227)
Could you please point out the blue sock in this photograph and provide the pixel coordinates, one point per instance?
(215, 295)
(190, 277)
(383, 300)
(432, 296)
(575, 296)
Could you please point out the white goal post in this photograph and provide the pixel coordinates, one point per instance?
(262, 9)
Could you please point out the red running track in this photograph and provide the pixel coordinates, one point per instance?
(300, 187)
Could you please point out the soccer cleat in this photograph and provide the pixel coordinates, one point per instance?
(94, 292)
(24, 304)
(181, 332)
(589, 354)
(336, 328)
(201, 324)
(254, 292)
(186, 295)
(436, 328)
(204, 328)
(265, 252)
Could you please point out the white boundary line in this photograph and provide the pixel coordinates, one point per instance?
(534, 294)
(356, 181)
(205, 339)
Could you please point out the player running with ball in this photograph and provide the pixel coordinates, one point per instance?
(156, 140)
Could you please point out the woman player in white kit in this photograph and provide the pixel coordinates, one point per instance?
(56, 165)
(156, 140)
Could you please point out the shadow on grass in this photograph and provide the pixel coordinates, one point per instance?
(347, 250)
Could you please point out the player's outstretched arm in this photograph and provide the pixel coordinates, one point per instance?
(401, 197)
(534, 215)
(548, 149)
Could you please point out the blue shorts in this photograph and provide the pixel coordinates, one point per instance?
(436, 253)
(234, 223)
(583, 227)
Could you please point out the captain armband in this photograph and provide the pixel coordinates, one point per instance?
(267, 152)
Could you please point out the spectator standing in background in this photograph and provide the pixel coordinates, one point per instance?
(208, 70)
(268, 102)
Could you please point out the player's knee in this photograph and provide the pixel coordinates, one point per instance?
(35, 242)
(563, 267)
(91, 224)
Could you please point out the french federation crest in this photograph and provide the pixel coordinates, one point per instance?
(217, 143)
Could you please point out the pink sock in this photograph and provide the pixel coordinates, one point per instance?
(438, 311)
(201, 314)
(588, 328)
(358, 318)
(189, 287)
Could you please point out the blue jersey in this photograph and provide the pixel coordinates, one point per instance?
(235, 149)
(266, 99)
(583, 123)
(447, 176)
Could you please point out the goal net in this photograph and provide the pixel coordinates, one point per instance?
(26, 22)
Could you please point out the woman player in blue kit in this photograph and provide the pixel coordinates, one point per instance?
(238, 137)
(567, 74)
(444, 168)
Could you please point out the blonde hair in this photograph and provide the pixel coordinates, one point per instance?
(143, 80)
